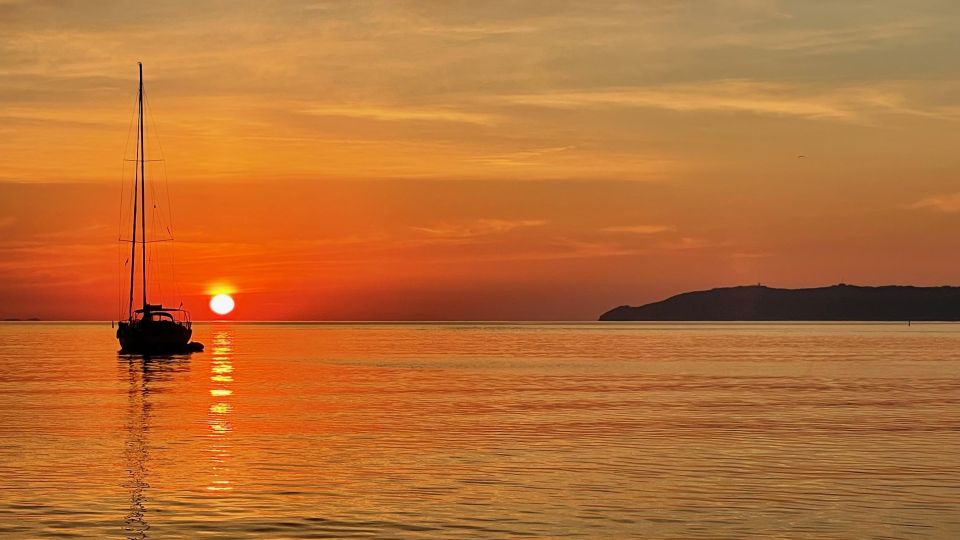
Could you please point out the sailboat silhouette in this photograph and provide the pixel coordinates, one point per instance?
(153, 328)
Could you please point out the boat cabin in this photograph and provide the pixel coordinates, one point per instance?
(158, 313)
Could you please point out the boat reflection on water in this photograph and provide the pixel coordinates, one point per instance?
(143, 375)
(218, 418)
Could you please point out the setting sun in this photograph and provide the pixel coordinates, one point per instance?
(222, 304)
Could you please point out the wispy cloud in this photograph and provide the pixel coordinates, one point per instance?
(639, 229)
(942, 203)
(470, 32)
(480, 227)
(819, 40)
(522, 157)
(688, 242)
(403, 114)
(759, 97)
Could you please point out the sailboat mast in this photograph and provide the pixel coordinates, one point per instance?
(143, 197)
(133, 239)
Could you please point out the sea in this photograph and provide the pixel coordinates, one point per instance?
(494, 430)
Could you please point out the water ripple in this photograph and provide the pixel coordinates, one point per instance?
(484, 431)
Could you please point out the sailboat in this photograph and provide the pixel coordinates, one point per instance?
(152, 328)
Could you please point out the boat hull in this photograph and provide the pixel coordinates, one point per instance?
(153, 337)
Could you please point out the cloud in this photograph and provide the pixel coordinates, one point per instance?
(522, 157)
(688, 242)
(639, 229)
(819, 40)
(470, 32)
(943, 203)
(849, 103)
(404, 114)
(480, 227)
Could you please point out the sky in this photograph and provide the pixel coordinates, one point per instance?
(535, 160)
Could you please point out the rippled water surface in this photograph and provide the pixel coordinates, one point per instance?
(484, 431)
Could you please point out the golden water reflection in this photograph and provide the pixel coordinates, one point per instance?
(218, 417)
(491, 431)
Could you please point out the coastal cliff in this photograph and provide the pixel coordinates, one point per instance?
(836, 303)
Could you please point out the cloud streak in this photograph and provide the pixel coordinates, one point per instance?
(949, 203)
(402, 113)
(851, 103)
(480, 227)
(639, 229)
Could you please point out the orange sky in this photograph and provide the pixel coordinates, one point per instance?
(480, 160)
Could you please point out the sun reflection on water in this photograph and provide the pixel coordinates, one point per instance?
(218, 418)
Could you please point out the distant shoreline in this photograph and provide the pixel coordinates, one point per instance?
(836, 303)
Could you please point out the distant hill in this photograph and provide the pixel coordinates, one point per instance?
(836, 303)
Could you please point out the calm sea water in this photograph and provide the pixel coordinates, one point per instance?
(484, 431)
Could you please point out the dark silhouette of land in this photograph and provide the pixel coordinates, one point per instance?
(836, 303)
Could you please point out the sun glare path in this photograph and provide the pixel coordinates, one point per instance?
(222, 304)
